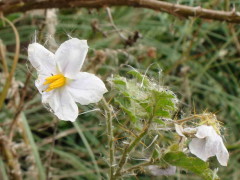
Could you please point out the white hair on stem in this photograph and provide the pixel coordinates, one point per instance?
(145, 74)
(97, 109)
(154, 139)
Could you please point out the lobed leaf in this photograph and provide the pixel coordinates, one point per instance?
(141, 78)
(192, 164)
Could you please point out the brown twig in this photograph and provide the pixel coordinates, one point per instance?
(3, 57)
(7, 6)
(15, 61)
(96, 28)
(114, 25)
(20, 106)
(12, 160)
(186, 119)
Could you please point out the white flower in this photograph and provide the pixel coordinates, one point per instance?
(59, 78)
(207, 144)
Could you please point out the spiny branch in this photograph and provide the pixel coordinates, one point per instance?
(11, 6)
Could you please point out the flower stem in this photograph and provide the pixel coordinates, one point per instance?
(85, 142)
(138, 166)
(110, 136)
(15, 61)
(187, 119)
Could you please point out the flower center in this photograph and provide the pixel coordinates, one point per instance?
(55, 81)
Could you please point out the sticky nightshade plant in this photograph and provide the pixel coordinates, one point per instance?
(146, 115)
(144, 106)
(60, 81)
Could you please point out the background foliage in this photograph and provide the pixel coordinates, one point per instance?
(197, 59)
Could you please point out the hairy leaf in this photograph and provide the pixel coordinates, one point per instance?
(192, 164)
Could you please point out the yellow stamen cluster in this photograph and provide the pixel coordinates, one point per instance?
(55, 81)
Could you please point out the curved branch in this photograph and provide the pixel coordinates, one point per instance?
(11, 6)
(15, 61)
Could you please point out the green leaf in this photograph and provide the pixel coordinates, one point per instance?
(140, 99)
(164, 99)
(156, 154)
(143, 79)
(162, 113)
(120, 83)
(125, 104)
(192, 164)
(159, 121)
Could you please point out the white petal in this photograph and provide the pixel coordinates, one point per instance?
(41, 59)
(211, 146)
(198, 148)
(86, 88)
(39, 83)
(46, 97)
(62, 104)
(205, 131)
(179, 130)
(70, 56)
(204, 146)
(208, 144)
(222, 154)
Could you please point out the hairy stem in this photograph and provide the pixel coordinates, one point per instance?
(130, 147)
(110, 137)
(137, 166)
(187, 119)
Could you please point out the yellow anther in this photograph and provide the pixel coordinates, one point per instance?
(48, 89)
(53, 78)
(55, 81)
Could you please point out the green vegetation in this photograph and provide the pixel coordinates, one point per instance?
(196, 59)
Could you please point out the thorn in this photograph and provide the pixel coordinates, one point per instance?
(233, 11)
(197, 8)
